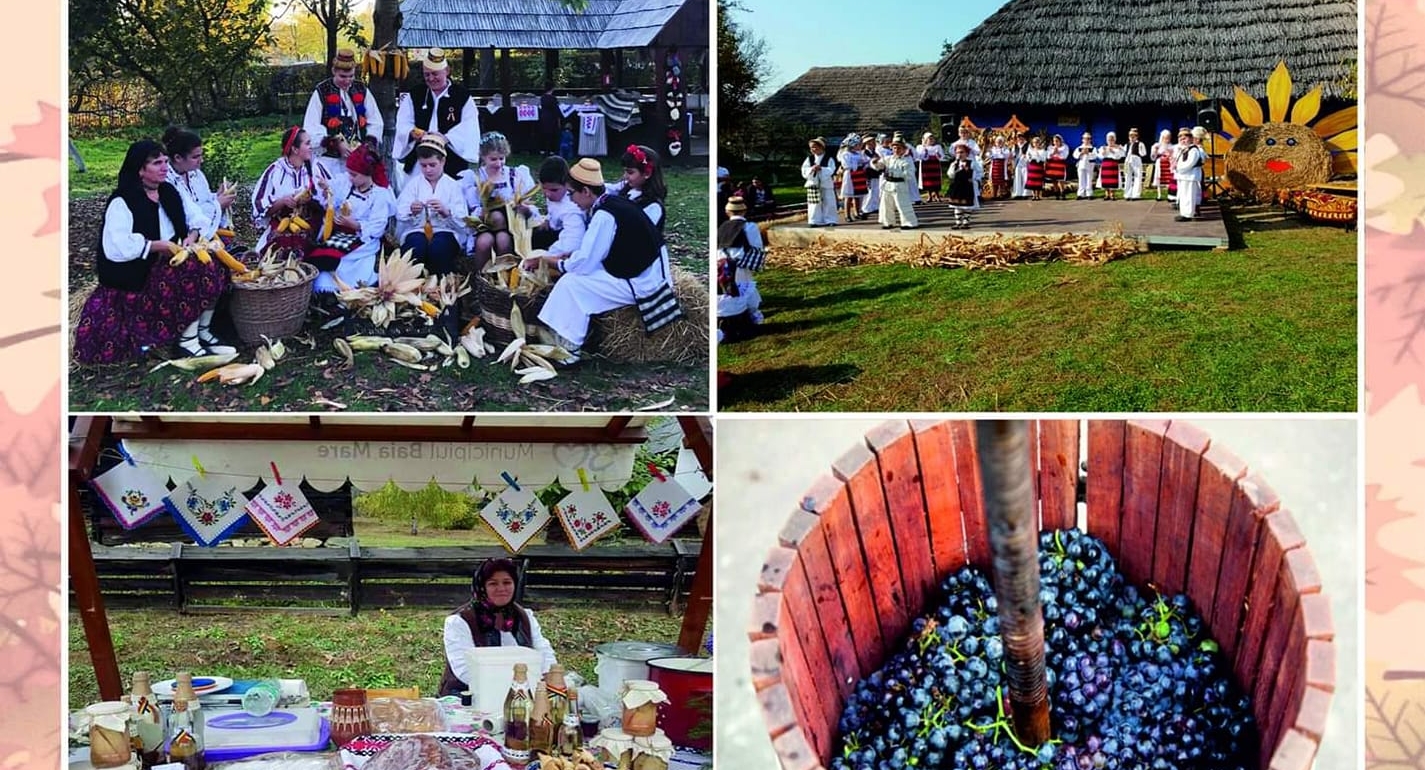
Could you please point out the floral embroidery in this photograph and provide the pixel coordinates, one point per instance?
(285, 500)
(134, 500)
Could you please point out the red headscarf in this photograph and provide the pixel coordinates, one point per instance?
(363, 160)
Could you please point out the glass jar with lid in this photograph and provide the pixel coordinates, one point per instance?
(109, 742)
(640, 700)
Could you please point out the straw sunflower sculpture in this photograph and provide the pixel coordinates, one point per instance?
(1282, 148)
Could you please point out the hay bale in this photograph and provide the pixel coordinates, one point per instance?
(621, 337)
(78, 295)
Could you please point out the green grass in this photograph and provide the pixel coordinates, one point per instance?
(1269, 327)
(254, 144)
(396, 648)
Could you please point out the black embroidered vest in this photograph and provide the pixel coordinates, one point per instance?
(636, 242)
(133, 274)
(447, 115)
(350, 127)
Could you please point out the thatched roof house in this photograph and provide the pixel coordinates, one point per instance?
(1085, 63)
(549, 24)
(834, 101)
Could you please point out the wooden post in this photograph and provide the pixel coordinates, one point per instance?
(506, 78)
(467, 58)
(82, 574)
(699, 433)
(551, 63)
(1014, 532)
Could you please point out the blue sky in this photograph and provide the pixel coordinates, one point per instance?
(802, 34)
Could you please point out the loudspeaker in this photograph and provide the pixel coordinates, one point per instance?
(1208, 115)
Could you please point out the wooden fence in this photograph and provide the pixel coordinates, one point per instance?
(904, 509)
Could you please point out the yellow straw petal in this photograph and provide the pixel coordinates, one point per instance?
(1336, 122)
(1344, 163)
(1198, 95)
(1278, 92)
(1229, 124)
(1307, 107)
(1247, 108)
(1342, 142)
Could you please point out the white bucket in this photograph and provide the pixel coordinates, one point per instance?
(492, 669)
(619, 661)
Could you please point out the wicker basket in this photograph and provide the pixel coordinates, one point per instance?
(273, 311)
(495, 304)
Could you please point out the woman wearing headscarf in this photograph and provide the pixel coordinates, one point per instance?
(142, 300)
(492, 618)
(819, 169)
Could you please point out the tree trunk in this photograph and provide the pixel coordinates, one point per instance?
(386, 22)
(333, 17)
(1009, 505)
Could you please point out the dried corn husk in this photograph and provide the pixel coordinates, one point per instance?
(996, 252)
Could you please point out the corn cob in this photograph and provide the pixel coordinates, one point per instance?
(299, 224)
(178, 258)
(429, 309)
(203, 255)
(328, 221)
(230, 261)
(429, 231)
(224, 232)
(402, 352)
(514, 279)
(346, 208)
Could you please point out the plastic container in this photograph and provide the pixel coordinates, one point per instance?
(491, 670)
(262, 697)
(621, 661)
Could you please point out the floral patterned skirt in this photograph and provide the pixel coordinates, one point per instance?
(117, 325)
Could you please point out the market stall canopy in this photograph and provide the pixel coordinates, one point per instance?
(454, 451)
(1150, 54)
(604, 24)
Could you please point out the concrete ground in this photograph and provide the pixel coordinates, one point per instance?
(765, 465)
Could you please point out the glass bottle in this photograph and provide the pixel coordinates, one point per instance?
(185, 747)
(570, 736)
(541, 726)
(146, 722)
(184, 689)
(518, 705)
(558, 695)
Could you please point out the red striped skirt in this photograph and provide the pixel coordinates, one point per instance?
(1166, 177)
(997, 170)
(1108, 173)
(930, 175)
(858, 181)
(1036, 176)
(1058, 168)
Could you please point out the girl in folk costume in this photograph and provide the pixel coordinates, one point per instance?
(291, 185)
(818, 170)
(1019, 152)
(931, 156)
(1110, 157)
(144, 301)
(964, 194)
(185, 173)
(871, 204)
(643, 183)
(1084, 156)
(1001, 168)
(853, 181)
(431, 211)
(1162, 154)
(348, 256)
(1036, 159)
(1056, 168)
(739, 242)
(897, 179)
(967, 137)
(501, 185)
(1136, 161)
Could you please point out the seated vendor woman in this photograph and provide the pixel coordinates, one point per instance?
(492, 618)
(143, 300)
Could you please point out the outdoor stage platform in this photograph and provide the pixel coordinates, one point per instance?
(1150, 221)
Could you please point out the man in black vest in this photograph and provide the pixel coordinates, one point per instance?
(442, 107)
(620, 262)
(340, 116)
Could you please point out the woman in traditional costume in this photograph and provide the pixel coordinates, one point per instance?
(1036, 159)
(144, 300)
(1110, 157)
(1056, 168)
(931, 156)
(819, 169)
(291, 185)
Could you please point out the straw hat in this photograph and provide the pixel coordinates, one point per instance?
(435, 142)
(588, 172)
(1198, 132)
(818, 140)
(345, 60)
(735, 205)
(435, 60)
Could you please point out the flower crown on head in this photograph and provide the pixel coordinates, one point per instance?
(640, 157)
